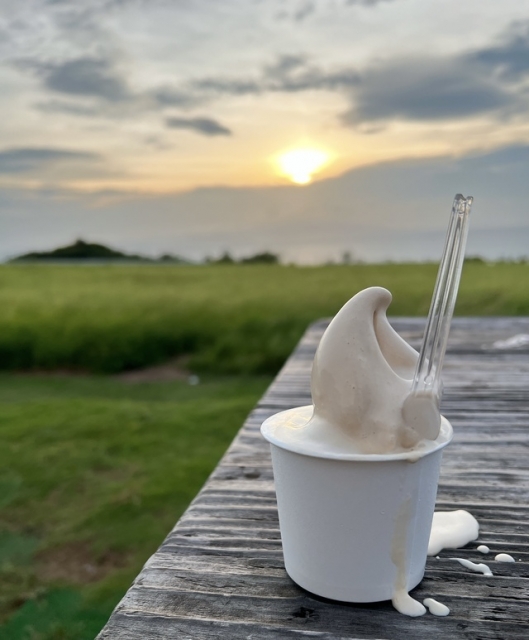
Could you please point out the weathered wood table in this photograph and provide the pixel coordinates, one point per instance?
(220, 574)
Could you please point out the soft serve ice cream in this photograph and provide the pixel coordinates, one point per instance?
(356, 479)
(361, 377)
(361, 380)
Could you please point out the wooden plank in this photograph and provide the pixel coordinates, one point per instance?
(220, 572)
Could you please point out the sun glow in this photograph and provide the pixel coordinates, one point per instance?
(300, 164)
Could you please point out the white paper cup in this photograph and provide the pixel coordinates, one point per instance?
(348, 524)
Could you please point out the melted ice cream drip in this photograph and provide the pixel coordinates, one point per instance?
(437, 608)
(504, 557)
(477, 568)
(401, 599)
(452, 530)
(404, 603)
(483, 548)
(361, 377)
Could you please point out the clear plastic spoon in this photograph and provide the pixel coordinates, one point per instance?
(421, 407)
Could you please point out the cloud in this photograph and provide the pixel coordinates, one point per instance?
(486, 80)
(24, 159)
(205, 88)
(92, 77)
(308, 7)
(304, 10)
(284, 65)
(205, 126)
(365, 3)
(171, 97)
(290, 73)
(429, 89)
(510, 59)
(61, 106)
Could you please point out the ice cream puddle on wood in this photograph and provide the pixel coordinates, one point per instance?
(504, 557)
(452, 530)
(477, 568)
(356, 472)
(435, 607)
(483, 549)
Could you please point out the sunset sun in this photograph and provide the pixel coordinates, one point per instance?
(300, 164)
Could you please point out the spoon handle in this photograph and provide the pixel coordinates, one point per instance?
(427, 377)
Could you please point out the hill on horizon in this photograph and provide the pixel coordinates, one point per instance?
(81, 250)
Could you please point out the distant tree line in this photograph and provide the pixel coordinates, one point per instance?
(259, 258)
(91, 251)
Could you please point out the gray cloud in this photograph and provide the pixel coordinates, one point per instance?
(25, 159)
(284, 65)
(366, 3)
(426, 90)
(206, 88)
(205, 126)
(309, 7)
(303, 11)
(287, 74)
(486, 80)
(311, 78)
(90, 77)
(96, 5)
(170, 97)
(509, 59)
(61, 106)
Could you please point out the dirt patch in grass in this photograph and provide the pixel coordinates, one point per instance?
(76, 563)
(175, 369)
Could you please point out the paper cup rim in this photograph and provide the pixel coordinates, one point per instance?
(269, 432)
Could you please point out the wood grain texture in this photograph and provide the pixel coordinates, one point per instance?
(220, 573)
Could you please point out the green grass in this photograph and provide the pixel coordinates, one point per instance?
(230, 319)
(94, 472)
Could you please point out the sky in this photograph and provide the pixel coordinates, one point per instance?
(160, 126)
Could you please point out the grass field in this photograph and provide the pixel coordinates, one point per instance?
(229, 319)
(95, 470)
